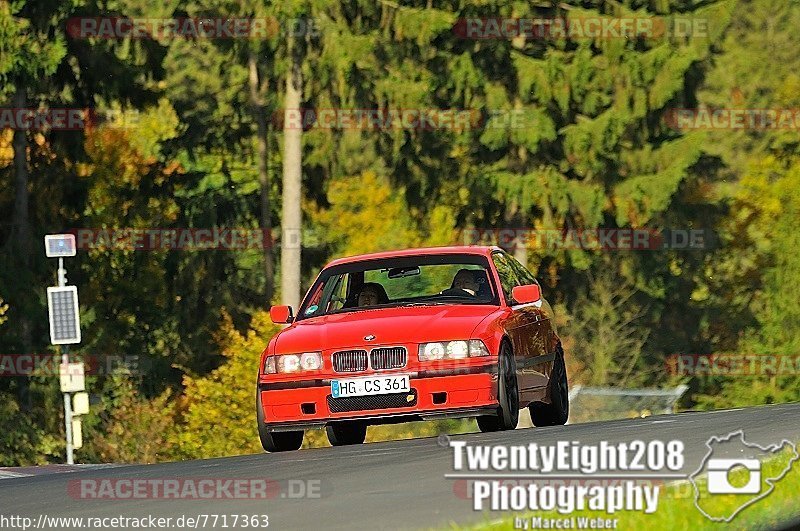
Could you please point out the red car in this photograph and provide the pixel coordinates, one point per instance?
(412, 335)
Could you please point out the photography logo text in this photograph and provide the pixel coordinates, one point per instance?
(629, 464)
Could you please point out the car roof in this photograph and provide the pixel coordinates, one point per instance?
(455, 249)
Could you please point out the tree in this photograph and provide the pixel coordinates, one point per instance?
(257, 89)
(603, 335)
(365, 215)
(218, 409)
(258, 57)
(291, 217)
(23, 441)
(769, 198)
(41, 68)
(130, 428)
(29, 53)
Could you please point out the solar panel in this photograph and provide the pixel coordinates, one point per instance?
(62, 306)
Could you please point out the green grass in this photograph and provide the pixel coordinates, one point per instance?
(677, 510)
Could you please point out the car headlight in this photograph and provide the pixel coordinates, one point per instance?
(457, 350)
(477, 348)
(431, 351)
(288, 363)
(452, 350)
(311, 361)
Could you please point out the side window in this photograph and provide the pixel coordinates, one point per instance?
(525, 276)
(337, 299)
(508, 278)
(315, 298)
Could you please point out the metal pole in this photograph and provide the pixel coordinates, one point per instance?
(62, 281)
(62, 273)
(67, 410)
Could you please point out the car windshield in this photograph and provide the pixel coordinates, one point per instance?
(417, 282)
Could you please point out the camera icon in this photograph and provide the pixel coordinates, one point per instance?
(719, 476)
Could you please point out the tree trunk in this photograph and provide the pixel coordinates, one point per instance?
(264, 178)
(21, 220)
(521, 251)
(292, 181)
(521, 247)
(21, 240)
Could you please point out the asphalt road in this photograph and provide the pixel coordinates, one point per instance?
(389, 485)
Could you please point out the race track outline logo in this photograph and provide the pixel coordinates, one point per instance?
(721, 470)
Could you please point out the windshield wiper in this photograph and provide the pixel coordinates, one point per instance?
(420, 303)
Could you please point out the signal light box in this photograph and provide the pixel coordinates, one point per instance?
(59, 245)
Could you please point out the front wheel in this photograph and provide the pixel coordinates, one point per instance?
(275, 441)
(556, 412)
(507, 394)
(345, 433)
(280, 441)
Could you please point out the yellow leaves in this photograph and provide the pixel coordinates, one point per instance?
(367, 215)
(261, 327)
(121, 167)
(114, 157)
(788, 93)
(155, 125)
(459, 151)
(767, 199)
(138, 430)
(124, 150)
(675, 268)
(219, 408)
(414, 430)
(169, 210)
(769, 187)
(441, 225)
(6, 149)
(701, 293)
(3, 310)
(227, 337)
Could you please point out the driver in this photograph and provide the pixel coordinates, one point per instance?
(465, 281)
(371, 294)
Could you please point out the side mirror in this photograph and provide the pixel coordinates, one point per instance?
(281, 314)
(527, 294)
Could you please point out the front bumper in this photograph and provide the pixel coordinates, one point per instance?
(308, 404)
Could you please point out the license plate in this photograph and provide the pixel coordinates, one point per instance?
(370, 385)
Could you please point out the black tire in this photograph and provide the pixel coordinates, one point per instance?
(276, 441)
(556, 412)
(345, 433)
(507, 392)
(280, 441)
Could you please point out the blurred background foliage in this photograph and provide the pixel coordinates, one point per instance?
(182, 151)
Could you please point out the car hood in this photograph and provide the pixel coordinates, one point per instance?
(390, 326)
